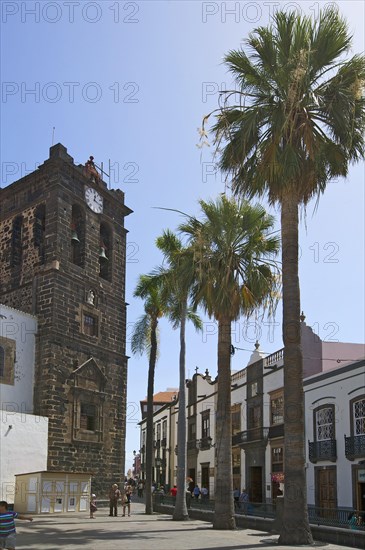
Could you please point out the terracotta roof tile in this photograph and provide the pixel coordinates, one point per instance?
(163, 397)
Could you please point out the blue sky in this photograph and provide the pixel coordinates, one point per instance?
(130, 82)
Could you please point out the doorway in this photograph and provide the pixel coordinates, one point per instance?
(205, 476)
(255, 490)
(361, 497)
(326, 487)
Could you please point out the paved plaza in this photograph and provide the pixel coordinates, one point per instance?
(139, 532)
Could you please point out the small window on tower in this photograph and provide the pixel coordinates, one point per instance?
(88, 417)
(90, 325)
(39, 227)
(17, 245)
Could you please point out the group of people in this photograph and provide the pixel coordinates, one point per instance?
(123, 495)
(196, 492)
(117, 496)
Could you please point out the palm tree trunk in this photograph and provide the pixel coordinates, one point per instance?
(149, 421)
(224, 512)
(181, 511)
(295, 526)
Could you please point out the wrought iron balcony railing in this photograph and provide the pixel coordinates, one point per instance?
(192, 445)
(163, 442)
(322, 450)
(355, 447)
(205, 443)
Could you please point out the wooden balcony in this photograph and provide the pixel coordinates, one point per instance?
(254, 435)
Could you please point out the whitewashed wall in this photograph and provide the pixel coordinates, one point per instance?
(22, 328)
(24, 446)
(338, 388)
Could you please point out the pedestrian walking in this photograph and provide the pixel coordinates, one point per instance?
(114, 496)
(7, 525)
(236, 498)
(93, 507)
(196, 492)
(191, 486)
(244, 500)
(205, 493)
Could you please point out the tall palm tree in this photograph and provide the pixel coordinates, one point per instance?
(177, 287)
(144, 339)
(234, 274)
(300, 122)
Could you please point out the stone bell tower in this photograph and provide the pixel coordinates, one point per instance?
(63, 250)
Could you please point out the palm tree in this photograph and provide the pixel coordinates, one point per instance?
(234, 274)
(176, 285)
(144, 339)
(300, 122)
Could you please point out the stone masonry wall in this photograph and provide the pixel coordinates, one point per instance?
(56, 290)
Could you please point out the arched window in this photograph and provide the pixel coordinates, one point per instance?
(39, 228)
(16, 245)
(2, 362)
(77, 236)
(105, 252)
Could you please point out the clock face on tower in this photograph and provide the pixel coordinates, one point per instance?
(94, 200)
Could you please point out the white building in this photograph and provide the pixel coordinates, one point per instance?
(335, 430)
(334, 391)
(24, 436)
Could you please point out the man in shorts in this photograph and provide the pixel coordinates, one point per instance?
(7, 526)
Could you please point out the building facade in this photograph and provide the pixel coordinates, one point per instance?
(335, 433)
(63, 250)
(334, 389)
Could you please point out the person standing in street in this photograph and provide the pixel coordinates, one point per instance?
(114, 496)
(126, 499)
(93, 507)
